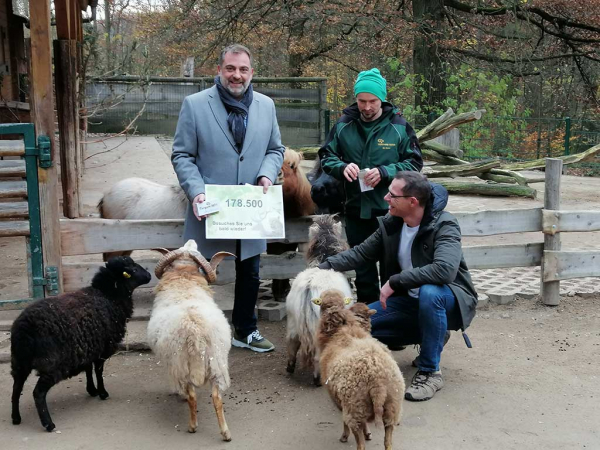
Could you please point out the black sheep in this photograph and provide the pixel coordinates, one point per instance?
(62, 336)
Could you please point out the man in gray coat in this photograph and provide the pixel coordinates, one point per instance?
(229, 135)
(427, 286)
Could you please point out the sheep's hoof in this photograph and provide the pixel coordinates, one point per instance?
(103, 395)
(192, 429)
(344, 438)
(50, 427)
(317, 381)
(226, 436)
(92, 391)
(16, 420)
(291, 367)
(368, 436)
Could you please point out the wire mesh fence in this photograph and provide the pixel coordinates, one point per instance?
(155, 103)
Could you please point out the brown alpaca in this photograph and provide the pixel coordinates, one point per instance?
(296, 187)
(361, 376)
(297, 202)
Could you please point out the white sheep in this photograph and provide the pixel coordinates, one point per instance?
(188, 331)
(325, 239)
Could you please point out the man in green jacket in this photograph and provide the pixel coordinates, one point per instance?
(427, 289)
(372, 137)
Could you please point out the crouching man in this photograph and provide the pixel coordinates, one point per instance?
(427, 287)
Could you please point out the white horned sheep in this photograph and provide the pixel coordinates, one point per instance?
(325, 239)
(59, 337)
(361, 376)
(187, 329)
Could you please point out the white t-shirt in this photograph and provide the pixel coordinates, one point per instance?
(407, 238)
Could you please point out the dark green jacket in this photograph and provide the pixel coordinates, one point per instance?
(389, 145)
(436, 255)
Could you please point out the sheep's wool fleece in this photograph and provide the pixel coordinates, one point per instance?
(302, 314)
(351, 364)
(189, 332)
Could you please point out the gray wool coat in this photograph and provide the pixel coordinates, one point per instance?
(204, 152)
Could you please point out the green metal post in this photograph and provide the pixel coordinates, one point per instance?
(567, 136)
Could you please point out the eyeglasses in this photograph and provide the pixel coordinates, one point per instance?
(399, 196)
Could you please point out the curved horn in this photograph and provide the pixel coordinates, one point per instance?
(211, 275)
(162, 251)
(165, 261)
(218, 257)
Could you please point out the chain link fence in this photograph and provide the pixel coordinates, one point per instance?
(153, 105)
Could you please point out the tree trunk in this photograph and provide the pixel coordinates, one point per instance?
(427, 64)
(108, 31)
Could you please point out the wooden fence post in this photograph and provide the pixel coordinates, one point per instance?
(551, 289)
(67, 107)
(42, 110)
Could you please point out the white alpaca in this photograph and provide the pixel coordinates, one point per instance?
(188, 331)
(325, 239)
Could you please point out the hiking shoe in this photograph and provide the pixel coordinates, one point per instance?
(415, 362)
(424, 386)
(254, 341)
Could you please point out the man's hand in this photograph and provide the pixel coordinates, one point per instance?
(351, 172)
(384, 294)
(265, 183)
(373, 177)
(200, 198)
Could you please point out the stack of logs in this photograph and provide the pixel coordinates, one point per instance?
(502, 178)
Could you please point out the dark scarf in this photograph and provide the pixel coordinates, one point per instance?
(237, 111)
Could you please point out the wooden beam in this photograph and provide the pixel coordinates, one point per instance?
(499, 256)
(285, 266)
(14, 210)
(557, 221)
(564, 265)
(12, 168)
(67, 108)
(13, 189)
(551, 289)
(62, 12)
(12, 148)
(488, 223)
(14, 228)
(91, 236)
(42, 108)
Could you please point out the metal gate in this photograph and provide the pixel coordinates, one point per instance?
(20, 205)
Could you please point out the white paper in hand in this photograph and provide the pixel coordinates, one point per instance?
(361, 179)
(208, 207)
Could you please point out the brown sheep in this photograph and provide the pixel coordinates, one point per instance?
(361, 376)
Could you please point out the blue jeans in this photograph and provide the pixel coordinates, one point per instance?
(423, 321)
(247, 282)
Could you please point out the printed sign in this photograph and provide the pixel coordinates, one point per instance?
(245, 212)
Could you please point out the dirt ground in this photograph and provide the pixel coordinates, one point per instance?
(531, 379)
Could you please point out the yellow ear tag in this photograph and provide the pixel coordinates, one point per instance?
(347, 301)
(126, 275)
(317, 301)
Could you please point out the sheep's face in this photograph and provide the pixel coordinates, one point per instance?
(128, 272)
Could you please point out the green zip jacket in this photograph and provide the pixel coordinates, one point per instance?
(390, 145)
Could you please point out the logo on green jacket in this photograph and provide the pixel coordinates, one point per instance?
(385, 145)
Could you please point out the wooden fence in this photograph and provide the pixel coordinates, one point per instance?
(92, 236)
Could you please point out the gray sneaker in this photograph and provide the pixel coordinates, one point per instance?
(254, 341)
(424, 386)
(415, 362)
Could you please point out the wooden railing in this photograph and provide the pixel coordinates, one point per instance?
(91, 236)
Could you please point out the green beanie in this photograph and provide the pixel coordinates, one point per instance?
(371, 82)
